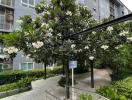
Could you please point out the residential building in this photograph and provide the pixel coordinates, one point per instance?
(12, 10)
(104, 8)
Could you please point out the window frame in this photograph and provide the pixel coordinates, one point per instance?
(28, 4)
(20, 65)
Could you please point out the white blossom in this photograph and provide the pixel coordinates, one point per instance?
(124, 33)
(109, 28)
(49, 34)
(85, 7)
(19, 21)
(50, 30)
(48, 13)
(44, 25)
(73, 46)
(129, 39)
(80, 50)
(26, 33)
(56, 19)
(10, 50)
(91, 58)
(119, 46)
(104, 47)
(93, 32)
(5, 49)
(59, 34)
(37, 44)
(69, 13)
(94, 50)
(39, 8)
(86, 47)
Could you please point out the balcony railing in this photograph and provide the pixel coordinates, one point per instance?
(9, 3)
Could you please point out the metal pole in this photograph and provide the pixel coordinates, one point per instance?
(73, 84)
(92, 74)
(67, 82)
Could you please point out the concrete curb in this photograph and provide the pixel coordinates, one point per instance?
(13, 92)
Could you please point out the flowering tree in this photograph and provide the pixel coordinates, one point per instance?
(42, 38)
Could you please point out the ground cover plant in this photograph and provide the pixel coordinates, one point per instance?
(120, 90)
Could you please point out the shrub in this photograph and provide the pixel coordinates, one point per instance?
(118, 91)
(24, 82)
(62, 81)
(85, 97)
(7, 77)
(124, 87)
(110, 93)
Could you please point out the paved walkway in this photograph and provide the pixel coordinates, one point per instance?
(83, 82)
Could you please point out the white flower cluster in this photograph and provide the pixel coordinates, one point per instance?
(129, 39)
(37, 44)
(26, 33)
(93, 32)
(91, 58)
(69, 13)
(119, 46)
(44, 25)
(124, 33)
(50, 30)
(48, 13)
(85, 7)
(73, 46)
(19, 21)
(10, 50)
(48, 35)
(86, 47)
(104, 47)
(109, 28)
(80, 50)
(59, 34)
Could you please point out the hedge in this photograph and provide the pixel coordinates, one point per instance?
(118, 90)
(7, 77)
(24, 82)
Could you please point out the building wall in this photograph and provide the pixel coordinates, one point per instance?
(20, 58)
(101, 8)
(21, 10)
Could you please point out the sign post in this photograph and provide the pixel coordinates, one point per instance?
(72, 65)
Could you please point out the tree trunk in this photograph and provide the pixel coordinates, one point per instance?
(63, 65)
(45, 71)
(67, 79)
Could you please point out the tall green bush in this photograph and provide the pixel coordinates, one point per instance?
(7, 77)
(121, 90)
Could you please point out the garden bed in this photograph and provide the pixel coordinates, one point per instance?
(14, 91)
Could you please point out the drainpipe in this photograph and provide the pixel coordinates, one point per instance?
(99, 10)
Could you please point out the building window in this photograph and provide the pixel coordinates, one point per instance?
(122, 12)
(8, 2)
(112, 9)
(27, 66)
(29, 3)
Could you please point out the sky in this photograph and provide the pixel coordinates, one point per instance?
(128, 3)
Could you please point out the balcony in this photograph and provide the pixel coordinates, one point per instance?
(7, 3)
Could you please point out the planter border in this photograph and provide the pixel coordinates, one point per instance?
(14, 91)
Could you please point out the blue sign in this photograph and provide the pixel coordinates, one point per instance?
(72, 64)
